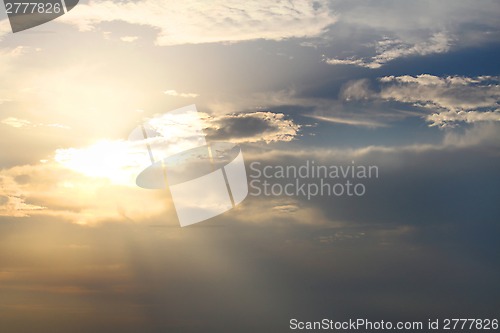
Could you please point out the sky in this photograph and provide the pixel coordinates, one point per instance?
(411, 87)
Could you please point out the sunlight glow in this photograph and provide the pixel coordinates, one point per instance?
(117, 161)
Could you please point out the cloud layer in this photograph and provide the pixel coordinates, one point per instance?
(447, 100)
(195, 21)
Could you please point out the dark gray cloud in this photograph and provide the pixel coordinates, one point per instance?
(129, 278)
(240, 128)
(431, 186)
(3, 199)
(252, 127)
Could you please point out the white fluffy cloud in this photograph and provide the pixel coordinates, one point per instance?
(196, 21)
(13, 199)
(129, 39)
(448, 118)
(450, 99)
(452, 93)
(23, 123)
(369, 123)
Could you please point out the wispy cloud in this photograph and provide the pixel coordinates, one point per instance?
(52, 189)
(4, 28)
(350, 121)
(252, 127)
(175, 93)
(389, 49)
(22, 123)
(129, 39)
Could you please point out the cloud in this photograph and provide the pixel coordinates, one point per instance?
(4, 28)
(389, 49)
(356, 90)
(13, 200)
(68, 185)
(22, 123)
(432, 207)
(178, 94)
(129, 39)
(389, 15)
(252, 127)
(486, 134)
(351, 61)
(433, 212)
(435, 183)
(325, 109)
(196, 21)
(451, 99)
(350, 121)
(452, 93)
(448, 100)
(120, 161)
(16, 122)
(14, 52)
